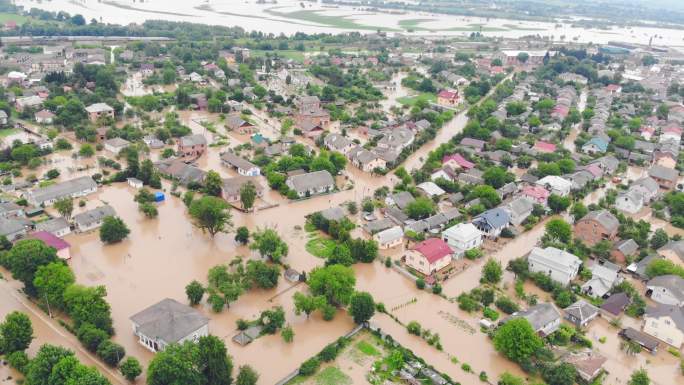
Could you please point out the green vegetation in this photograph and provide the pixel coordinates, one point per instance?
(321, 247)
(422, 97)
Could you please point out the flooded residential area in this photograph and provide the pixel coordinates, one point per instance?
(336, 193)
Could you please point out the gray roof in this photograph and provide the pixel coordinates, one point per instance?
(391, 234)
(616, 303)
(312, 180)
(236, 161)
(6, 207)
(402, 199)
(673, 283)
(232, 186)
(11, 226)
(627, 246)
(52, 225)
(539, 315)
(648, 183)
(660, 172)
(333, 213)
(676, 247)
(193, 140)
(117, 142)
(169, 321)
(94, 215)
(396, 215)
(605, 218)
(63, 189)
(235, 121)
(520, 205)
(674, 312)
(99, 107)
(379, 225)
(337, 141)
(185, 173)
(581, 310)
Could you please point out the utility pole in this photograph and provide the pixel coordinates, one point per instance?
(47, 301)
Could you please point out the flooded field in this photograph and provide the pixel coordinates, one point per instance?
(289, 17)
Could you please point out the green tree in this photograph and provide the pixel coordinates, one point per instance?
(213, 183)
(113, 230)
(51, 281)
(272, 319)
(86, 151)
(242, 235)
(420, 208)
(40, 367)
(24, 259)
(64, 207)
(492, 271)
(88, 305)
(130, 368)
(175, 365)
(211, 214)
(562, 374)
(195, 291)
(361, 307)
(246, 376)
(288, 334)
(16, 333)
(248, 195)
(214, 364)
(558, 203)
(496, 177)
(307, 304)
(262, 275)
(517, 340)
(640, 377)
(336, 283)
(659, 239)
(269, 244)
(578, 211)
(110, 352)
(91, 337)
(558, 230)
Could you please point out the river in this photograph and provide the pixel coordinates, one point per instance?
(291, 16)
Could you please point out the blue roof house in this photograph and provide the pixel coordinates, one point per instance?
(492, 222)
(595, 145)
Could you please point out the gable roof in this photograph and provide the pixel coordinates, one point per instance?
(433, 249)
(673, 283)
(581, 310)
(676, 313)
(605, 218)
(50, 239)
(496, 217)
(539, 315)
(616, 303)
(169, 320)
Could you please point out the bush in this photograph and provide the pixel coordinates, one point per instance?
(437, 289)
(467, 302)
(111, 353)
(420, 283)
(18, 360)
(414, 328)
(91, 337)
(466, 368)
(309, 366)
(329, 312)
(130, 368)
(490, 313)
(506, 305)
(329, 353)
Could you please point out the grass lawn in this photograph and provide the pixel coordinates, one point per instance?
(413, 24)
(5, 17)
(367, 348)
(332, 375)
(315, 16)
(411, 100)
(297, 56)
(320, 247)
(8, 131)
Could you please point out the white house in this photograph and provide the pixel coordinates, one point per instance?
(603, 278)
(92, 219)
(431, 189)
(74, 188)
(556, 185)
(559, 265)
(462, 237)
(168, 322)
(243, 166)
(313, 183)
(666, 323)
(666, 289)
(389, 238)
(135, 183)
(647, 187)
(629, 201)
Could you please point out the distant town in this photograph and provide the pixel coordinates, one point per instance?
(192, 204)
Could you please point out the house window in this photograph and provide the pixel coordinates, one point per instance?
(654, 324)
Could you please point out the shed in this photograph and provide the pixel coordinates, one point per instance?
(135, 183)
(159, 196)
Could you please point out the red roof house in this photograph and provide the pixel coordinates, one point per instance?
(536, 193)
(447, 98)
(457, 161)
(54, 241)
(430, 256)
(545, 147)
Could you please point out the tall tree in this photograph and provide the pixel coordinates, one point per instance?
(113, 230)
(175, 365)
(517, 340)
(51, 281)
(336, 283)
(211, 214)
(16, 333)
(247, 376)
(25, 258)
(64, 207)
(213, 183)
(214, 364)
(248, 195)
(269, 244)
(361, 307)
